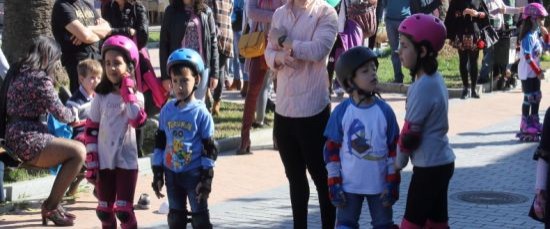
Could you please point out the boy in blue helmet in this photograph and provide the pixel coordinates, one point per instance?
(185, 150)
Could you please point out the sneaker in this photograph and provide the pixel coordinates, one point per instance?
(474, 95)
(144, 202)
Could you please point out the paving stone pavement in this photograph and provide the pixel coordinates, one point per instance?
(488, 159)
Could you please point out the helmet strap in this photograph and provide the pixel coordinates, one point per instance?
(186, 100)
(363, 95)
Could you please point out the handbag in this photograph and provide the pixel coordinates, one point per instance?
(7, 155)
(489, 36)
(364, 14)
(252, 44)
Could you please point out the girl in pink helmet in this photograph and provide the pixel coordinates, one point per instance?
(117, 109)
(529, 70)
(423, 138)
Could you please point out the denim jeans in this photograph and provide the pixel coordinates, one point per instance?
(236, 67)
(348, 216)
(486, 64)
(181, 187)
(1, 181)
(392, 27)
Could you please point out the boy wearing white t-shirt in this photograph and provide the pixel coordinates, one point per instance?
(362, 134)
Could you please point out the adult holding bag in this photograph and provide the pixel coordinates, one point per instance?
(260, 13)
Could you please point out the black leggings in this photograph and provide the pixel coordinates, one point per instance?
(468, 65)
(218, 90)
(530, 86)
(300, 142)
(427, 197)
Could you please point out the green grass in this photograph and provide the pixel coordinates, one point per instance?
(448, 67)
(22, 174)
(229, 123)
(154, 36)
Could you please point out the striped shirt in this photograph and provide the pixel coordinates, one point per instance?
(222, 14)
(303, 92)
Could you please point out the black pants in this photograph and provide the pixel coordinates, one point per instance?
(300, 142)
(468, 66)
(72, 73)
(427, 196)
(218, 90)
(530, 86)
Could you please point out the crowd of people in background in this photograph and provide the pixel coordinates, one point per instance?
(352, 153)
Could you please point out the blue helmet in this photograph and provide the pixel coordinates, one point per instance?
(188, 57)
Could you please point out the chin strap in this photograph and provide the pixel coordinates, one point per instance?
(364, 94)
(188, 96)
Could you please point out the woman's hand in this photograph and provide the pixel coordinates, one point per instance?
(471, 12)
(275, 34)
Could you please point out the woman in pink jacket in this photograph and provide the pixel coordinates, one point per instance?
(300, 39)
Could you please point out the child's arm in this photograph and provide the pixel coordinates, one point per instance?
(91, 132)
(332, 159)
(331, 152)
(208, 157)
(393, 178)
(157, 160)
(527, 46)
(419, 106)
(135, 111)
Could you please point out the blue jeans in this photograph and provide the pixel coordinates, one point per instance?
(486, 64)
(236, 67)
(392, 27)
(348, 216)
(181, 187)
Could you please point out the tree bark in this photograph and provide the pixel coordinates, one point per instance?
(23, 21)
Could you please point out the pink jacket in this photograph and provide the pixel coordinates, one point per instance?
(303, 92)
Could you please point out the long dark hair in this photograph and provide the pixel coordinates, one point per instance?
(105, 86)
(526, 26)
(43, 55)
(199, 6)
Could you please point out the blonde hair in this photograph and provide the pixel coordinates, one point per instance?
(89, 66)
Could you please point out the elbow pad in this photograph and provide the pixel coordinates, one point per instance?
(91, 131)
(533, 65)
(410, 137)
(210, 148)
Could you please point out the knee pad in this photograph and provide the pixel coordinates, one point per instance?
(104, 212)
(537, 96)
(125, 213)
(529, 98)
(201, 220)
(177, 218)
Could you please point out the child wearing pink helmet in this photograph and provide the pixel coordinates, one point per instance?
(112, 158)
(529, 71)
(423, 138)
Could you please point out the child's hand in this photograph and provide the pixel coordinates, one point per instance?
(390, 194)
(158, 180)
(540, 204)
(336, 193)
(205, 184)
(127, 90)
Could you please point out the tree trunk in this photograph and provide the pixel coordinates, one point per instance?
(23, 21)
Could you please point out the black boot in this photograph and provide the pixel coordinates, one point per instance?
(464, 93)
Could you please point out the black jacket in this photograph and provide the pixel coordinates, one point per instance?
(132, 16)
(458, 24)
(173, 31)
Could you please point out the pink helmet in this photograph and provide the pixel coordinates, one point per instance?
(534, 10)
(424, 28)
(121, 43)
